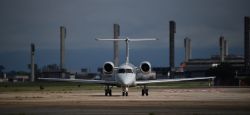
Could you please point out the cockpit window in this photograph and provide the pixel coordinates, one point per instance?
(121, 71)
(129, 71)
(125, 71)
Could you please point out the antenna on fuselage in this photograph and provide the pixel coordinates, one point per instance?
(127, 40)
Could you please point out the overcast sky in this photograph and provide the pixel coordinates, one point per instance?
(204, 21)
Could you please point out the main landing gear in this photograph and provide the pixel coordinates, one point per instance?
(144, 91)
(124, 91)
(108, 90)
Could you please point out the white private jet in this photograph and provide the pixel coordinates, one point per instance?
(125, 75)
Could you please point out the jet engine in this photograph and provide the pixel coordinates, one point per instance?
(145, 67)
(145, 72)
(108, 68)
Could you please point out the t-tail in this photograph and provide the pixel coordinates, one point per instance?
(127, 40)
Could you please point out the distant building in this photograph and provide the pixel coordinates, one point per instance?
(22, 78)
(52, 71)
(198, 67)
(203, 67)
(161, 72)
(3, 77)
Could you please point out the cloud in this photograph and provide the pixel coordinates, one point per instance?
(204, 21)
(38, 21)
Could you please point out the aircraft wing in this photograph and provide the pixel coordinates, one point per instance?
(142, 82)
(80, 81)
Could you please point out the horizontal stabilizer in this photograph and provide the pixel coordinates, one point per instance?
(127, 39)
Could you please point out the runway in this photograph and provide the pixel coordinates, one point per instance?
(159, 102)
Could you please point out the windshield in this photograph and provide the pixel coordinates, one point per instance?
(125, 71)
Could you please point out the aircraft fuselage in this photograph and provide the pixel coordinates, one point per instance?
(126, 75)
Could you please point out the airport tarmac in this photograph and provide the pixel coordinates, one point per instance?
(159, 102)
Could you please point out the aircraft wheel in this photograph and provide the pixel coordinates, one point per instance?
(126, 93)
(146, 92)
(110, 92)
(142, 92)
(123, 93)
(106, 92)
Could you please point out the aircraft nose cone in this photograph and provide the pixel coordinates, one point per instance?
(124, 80)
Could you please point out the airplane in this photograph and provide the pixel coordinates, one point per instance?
(125, 74)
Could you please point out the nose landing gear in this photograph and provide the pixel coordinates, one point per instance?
(124, 91)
